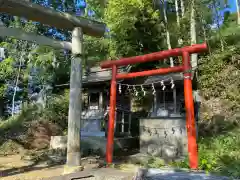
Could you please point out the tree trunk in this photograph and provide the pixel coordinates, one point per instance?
(182, 8)
(204, 31)
(75, 101)
(177, 13)
(17, 24)
(178, 21)
(194, 57)
(167, 33)
(238, 12)
(218, 25)
(16, 85)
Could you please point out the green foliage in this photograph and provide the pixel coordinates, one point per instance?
(3, 89)
(15, 123)
(97, 7)
(219, 76)
(96, 50)
(219, 154)
(57, 110)
(6, 73)
(8, 124)
(135, 27)
(7, 70)
(10, 147)
(56, 113)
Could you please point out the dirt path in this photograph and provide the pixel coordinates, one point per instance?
(13, 168)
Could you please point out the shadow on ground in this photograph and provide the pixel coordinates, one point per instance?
(27, 168)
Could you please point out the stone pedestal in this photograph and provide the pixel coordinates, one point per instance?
(163, 137)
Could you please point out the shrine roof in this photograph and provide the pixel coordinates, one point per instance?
(165, 78)
(96, 74)
(48, 16)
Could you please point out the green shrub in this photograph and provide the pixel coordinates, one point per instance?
(56, 112)
(218, 155)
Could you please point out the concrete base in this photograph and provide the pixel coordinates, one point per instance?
(73, 169)
(173, 174)
(164, 137)
(95, 145)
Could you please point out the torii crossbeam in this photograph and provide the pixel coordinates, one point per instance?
(186, 68)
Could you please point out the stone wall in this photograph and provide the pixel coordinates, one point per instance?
(163, 137)
(94, 144)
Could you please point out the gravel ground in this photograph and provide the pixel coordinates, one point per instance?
(13, 168)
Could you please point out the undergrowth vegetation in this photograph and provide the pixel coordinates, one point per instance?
(219, 154)
(35, 121)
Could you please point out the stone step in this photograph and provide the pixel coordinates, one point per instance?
(97, 174)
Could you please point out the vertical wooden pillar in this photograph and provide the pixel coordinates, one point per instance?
(122, 122)
(155, 104)
(75, 100)
(175, 99)
(101, 100)
(110, 137)
(189, 106)
(164, 100)
(129, 123)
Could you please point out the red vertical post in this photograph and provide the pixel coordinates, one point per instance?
(189, 106)
(110, 136)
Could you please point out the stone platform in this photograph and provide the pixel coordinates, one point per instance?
(141, 174)
(164, 137)
(95, 143)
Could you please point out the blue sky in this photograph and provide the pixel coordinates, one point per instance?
(232, 8)
(232, 5)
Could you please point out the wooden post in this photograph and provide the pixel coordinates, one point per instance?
(155, 104)
(191, 129)
(112, 113)
(75, 101)
(129, 123)
(175, 99)
(101, 101)
(164, 100)
(122, 122)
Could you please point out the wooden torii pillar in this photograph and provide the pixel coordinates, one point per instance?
(185, 52)
(78, 26)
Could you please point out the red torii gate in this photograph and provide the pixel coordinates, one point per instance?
(186, 68)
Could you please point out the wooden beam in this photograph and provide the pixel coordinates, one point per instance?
(41, 40)
(51, 17)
